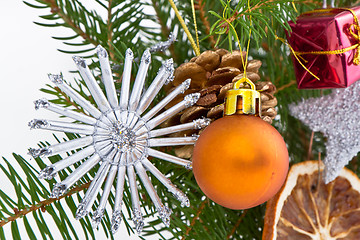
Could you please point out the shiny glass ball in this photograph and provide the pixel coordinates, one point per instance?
(240, 161)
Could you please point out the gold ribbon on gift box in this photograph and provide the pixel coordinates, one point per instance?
(356, 36)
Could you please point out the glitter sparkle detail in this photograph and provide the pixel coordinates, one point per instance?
(162, 46)
(117, 136)
(41, 103)
(123, 138)
(56, 78)
(39, 152)
(79, 61)
(47, 173)
(191, 99)
(337, 116)
(38, 123)
(138, 220)
(115, 221)
(201, 123)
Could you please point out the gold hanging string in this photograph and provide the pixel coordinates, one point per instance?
(293, 4)
(244, 63)
(183, 25)
(248, 44)
(195, 25)
(251, 103)
(356, 36)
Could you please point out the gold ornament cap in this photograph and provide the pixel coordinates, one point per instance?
(242, 100)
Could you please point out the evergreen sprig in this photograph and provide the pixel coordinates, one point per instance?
(139, 24)
(30, 206)
(259, 17)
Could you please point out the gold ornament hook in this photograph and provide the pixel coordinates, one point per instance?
(250, 99)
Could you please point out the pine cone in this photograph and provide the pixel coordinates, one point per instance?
(212, 74)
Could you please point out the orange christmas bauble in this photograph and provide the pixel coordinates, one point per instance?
(240, 161)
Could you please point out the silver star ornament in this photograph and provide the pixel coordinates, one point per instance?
(118, 135)
(337, 116)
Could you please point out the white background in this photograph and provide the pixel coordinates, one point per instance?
(28, 54)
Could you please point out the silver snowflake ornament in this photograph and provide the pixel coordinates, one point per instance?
(337, 116)
(119, 135)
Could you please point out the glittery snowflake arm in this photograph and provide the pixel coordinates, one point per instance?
(166, 182)
(139, 80)
(172, 141)
(116, 217)
(61, 147)
(136, 209)
(196, 124)
(163, 211)
(92, 85)
(188, 101)
(110, 176)
(125, 83)
(162, 46)
(91, 194)
(61, 188)
(180, 89)
(61, 126)
(99, 213)
(107, 77)
(44, 103)
(170, 158)
(58, 81)
(50, 171)
(164, 75)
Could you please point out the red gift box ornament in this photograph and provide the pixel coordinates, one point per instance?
(327, 42)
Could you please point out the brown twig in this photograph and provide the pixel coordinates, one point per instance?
(319, 164)
(310, 146)
(57, 10)
(202, 14)
(41, 205)
(196, 217)
(237, 224)
(292, 82)
(109, 30)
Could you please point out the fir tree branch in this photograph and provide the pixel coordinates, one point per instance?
(196, 217)
(237, 224)
(202, 14)
(309, 156)
(42, 205)
(57, 10)
(261, 4)
(226, 22)
(109, 30)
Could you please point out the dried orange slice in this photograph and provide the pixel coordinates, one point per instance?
(307, 209)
